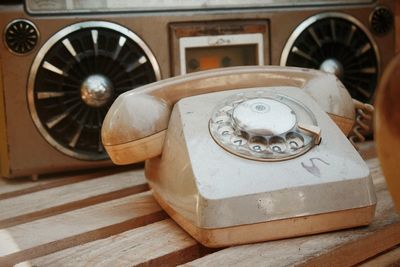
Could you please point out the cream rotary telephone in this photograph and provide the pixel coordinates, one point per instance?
(246, 154)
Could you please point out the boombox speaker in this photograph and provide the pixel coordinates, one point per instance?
(63, 62)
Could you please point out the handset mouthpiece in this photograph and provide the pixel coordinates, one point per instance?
(130, 125)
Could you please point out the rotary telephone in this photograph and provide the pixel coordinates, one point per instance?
(246, 154)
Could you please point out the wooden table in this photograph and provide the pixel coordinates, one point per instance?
(109, 218)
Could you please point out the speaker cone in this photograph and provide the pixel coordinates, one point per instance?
(75, 78)
(381, 20)
(339, 44)
(21, 36)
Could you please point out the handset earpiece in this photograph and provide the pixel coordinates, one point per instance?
(135, 125)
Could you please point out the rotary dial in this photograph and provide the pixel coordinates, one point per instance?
(264, 126)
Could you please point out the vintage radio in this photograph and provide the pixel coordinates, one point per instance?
(64, 62)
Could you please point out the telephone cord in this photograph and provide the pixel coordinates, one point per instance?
(363, 123)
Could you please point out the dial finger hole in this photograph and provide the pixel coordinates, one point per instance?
(238, 140)
(277, 144)
(258, 144)
(294, 141)
(225, 131)
(221, 119)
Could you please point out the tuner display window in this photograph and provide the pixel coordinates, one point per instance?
(204, 58)
(209, 52)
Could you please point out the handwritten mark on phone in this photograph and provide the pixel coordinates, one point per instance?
(313, 168)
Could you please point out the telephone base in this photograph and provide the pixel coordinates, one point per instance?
(272, 230)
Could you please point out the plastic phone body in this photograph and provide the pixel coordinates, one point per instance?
(246, 154)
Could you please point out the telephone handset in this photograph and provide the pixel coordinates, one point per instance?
(134, 128)
(247, 153)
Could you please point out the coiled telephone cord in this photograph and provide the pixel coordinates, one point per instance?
(363, 126)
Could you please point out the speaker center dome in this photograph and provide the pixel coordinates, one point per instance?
(96, 90)
(332, 66)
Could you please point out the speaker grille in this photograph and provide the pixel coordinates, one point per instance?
(338, 44)
(76, 77)
(381, 20)
(21, 36)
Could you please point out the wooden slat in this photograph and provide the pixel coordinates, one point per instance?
(8, 187)
(332, 249)
(137, 247)
(24, 185)
(74, 238)
(388, 259)
(367, 150)
(29, 207)
(41, 237)
(159, 244)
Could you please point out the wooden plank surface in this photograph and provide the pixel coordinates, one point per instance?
(28, 207)
(117, 229)
(389, 259)
(159, 244)
(29, 240)
(25, 185)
